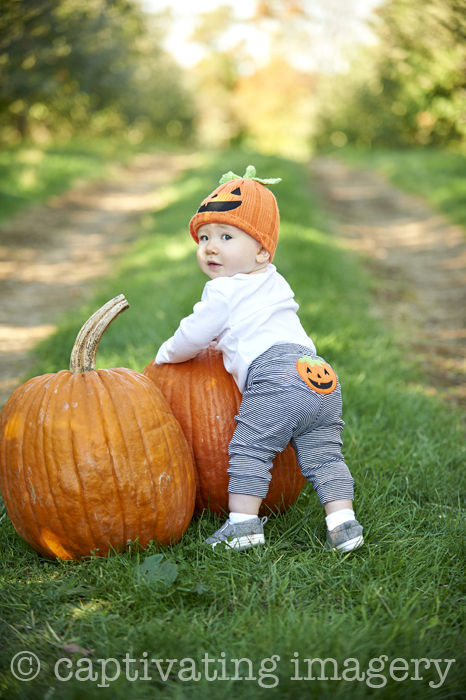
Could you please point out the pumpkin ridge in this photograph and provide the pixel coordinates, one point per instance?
(39, 438)
(25, 491)
(189, 423)
(167, 423)
(102, 384)
(22, 471)
(157, 413)
(163, 419)
(9, 407)
(41, 454)
(154, 502)
(74, 465)
(163, 425)
(208, 485)
(207, 425)
(171, 422)
(42, 407)
(47, 457)
(170, 393)
(178, 403)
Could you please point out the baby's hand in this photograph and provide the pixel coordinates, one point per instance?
(213, 344)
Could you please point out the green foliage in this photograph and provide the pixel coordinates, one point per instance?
(74, 65)
(402, 595)
(408, 89)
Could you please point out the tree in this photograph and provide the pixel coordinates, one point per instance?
(214, 79)
(275, 106)
(87, 63)
(268, 108)
(409, 88)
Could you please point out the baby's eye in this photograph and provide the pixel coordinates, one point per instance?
(203, 238)
(226, 236)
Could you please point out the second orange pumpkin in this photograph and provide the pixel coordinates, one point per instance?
(204, 399)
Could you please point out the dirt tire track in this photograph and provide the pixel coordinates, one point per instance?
(51, 255)
(419, 259)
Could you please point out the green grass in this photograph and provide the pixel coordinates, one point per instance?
(402, 595)
(30, 173)
(437, 175)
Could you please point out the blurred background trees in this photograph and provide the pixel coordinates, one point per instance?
(87, 66)
(366, 72)
(240, 101)
(409, 89)
(214, 80)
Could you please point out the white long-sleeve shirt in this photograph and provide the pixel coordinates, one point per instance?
(247, 314)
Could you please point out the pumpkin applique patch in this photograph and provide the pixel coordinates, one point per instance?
(317, 374)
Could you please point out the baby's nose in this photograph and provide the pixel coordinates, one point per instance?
(211, 246)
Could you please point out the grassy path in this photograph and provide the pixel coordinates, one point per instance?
(31, 173)
(401, 597)
(418, 258)
(439, 176)
(52, 254)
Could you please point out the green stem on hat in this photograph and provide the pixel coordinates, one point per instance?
(250, 174)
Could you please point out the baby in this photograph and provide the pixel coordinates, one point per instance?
(289, 393)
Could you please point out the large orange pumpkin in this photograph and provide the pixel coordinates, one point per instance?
(93, 459)
(205, 399)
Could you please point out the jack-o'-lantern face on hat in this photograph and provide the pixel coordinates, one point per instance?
(223, 201)
(317, 374)
(244, 202)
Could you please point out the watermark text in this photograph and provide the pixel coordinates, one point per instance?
(25, 666)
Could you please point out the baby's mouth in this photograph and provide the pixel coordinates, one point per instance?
(213, 264)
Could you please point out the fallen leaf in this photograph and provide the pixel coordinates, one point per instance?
(155, 570)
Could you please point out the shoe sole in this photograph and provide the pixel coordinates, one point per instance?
(240, 543)
(355, 543)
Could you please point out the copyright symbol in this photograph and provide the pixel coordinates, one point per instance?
(25, 666)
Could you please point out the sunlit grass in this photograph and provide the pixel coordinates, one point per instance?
(402, 595)
(31, 173)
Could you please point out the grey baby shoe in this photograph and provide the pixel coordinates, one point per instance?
(239, 536)
(345, 537)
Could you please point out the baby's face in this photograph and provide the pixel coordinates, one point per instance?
(224, 250)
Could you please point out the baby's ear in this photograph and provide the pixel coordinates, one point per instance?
(263, 255)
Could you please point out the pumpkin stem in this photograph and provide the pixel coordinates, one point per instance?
(84, 351)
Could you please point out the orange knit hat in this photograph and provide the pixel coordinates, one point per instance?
(243, 202)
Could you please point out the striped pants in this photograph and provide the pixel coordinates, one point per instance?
(278, 407)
